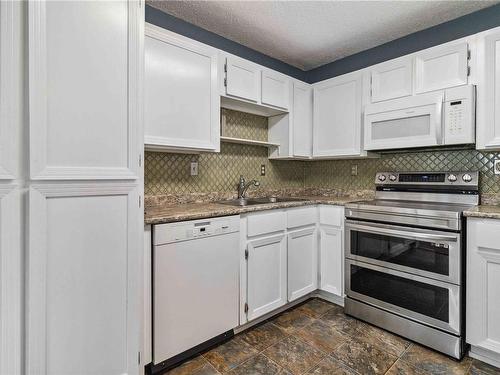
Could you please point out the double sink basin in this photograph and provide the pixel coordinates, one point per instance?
(242, 202)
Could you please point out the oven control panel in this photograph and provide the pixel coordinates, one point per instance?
(428, 178)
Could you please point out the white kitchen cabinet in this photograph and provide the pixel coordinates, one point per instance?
(302, 262)
(275, 89)
(181, 98)
(441, 67)
(337, 116)
(331, 254)
(266, 275)
(84, 89)
(483, 289)
(84, 244)
(302, 120)
(293, 130)
(242, 79)
(488, 90)
(392, 79)
(82, 286)
(331, 219)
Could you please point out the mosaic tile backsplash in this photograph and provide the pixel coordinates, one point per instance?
(169, 173)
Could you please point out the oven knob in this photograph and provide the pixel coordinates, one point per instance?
(452, 178)
(467, 177)
(392, 177)
(382, 177)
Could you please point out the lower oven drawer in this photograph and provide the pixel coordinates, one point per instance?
(431, 302)
(423, 252)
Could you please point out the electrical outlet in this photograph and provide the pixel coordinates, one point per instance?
(194, 168)
(262, 169)
(497, 166)
(354, 170)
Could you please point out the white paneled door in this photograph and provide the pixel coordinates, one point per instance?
(181, 97)
(483, 285)
(266, 275)
(488, 90)
(84, 72)
(242, 79)
(275, 89)
(441, 67)
(302, 120)
(337, 116)
(84, 258)
(393, 79)
(83, 306)
(332, 259)
(302, 262)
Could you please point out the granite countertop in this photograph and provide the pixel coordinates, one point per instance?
(169, 213)
(486, 211)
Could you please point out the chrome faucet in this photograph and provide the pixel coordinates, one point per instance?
(243, 186)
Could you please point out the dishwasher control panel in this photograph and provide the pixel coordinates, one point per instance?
(187, 230)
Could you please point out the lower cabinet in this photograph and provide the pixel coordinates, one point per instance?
(266, 275)
(284, 254)
(483, 289)
(332, 259)
(302, 262)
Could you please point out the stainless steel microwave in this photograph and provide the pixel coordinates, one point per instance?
(445, 117)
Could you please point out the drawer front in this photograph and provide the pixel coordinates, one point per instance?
(331, 215)
(266, 222)
(298, 217)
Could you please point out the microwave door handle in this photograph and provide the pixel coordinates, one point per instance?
(440, 126)
(400, 233)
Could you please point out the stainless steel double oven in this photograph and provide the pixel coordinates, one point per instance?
(404, 256)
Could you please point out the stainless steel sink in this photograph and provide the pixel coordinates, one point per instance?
(254, 201)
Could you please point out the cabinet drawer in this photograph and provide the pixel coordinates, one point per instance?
(297, 217)
(331, 215)
(266, 222)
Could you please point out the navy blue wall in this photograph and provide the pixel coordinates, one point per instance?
(469, 24)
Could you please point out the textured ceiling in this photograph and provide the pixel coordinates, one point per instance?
(308, 34)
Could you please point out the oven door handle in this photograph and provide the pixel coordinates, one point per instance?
(400, 233)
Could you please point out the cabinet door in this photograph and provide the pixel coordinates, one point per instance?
(331, 253)
(266, 275)
(84, 89)
(11, 280)
(337, 116)
(275, 89)
(242, 79)
(181, 101)
(83, 266)
(393, 79)
(302, 120)
(488, 90)
(441, 67)
(302, 263)
(483, 284)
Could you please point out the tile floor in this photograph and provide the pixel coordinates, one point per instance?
(317, 338)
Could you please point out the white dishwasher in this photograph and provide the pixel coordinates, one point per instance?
(195, 287)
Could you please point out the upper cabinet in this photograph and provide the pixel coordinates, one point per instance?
(249, 87)
(337, 116)
(441, 67)
(302, 120)
(293, 130)
(182, 104)
(433, 69)
(275, 89)
(392, 80)
(84, 92)
(488, 90)
(242, 79)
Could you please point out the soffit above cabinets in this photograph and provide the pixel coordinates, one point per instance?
(282, 29)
